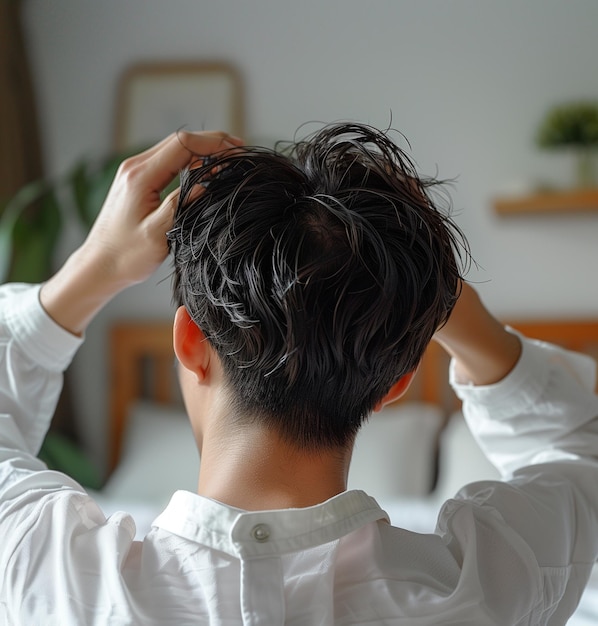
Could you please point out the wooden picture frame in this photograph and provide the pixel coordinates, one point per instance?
(156, 99)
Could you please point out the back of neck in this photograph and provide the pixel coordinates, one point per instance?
(252, 468)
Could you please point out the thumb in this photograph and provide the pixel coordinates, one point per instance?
(161, 220)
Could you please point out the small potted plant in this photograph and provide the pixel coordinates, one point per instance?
(573, 125)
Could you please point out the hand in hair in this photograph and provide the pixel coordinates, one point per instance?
(128, 240)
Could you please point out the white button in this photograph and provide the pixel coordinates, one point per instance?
(260, 532)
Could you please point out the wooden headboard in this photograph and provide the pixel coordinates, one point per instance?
(142, 366)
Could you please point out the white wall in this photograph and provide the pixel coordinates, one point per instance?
(466, 80)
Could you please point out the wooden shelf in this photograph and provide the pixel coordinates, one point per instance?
(555, 202)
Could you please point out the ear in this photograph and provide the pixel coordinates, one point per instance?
(396, 391)
(190, 345)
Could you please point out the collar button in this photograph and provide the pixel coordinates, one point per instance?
(260, 532)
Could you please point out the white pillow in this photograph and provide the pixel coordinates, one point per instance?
(395, 452)
(461, 460)
(159, 456)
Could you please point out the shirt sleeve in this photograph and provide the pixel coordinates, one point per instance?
(34, 351)
(544, 410)
(56, 544)
(538, 426)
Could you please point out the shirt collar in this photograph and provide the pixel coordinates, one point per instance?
(260, 533)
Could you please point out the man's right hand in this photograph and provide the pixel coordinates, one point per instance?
(128, 240)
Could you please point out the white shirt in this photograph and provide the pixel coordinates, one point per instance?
(504, 553)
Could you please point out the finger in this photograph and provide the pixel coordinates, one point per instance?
(164, 214)
(207, 137)
(164, 161)
(163, 217)
(208, 142)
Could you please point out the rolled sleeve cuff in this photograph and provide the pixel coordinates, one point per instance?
(37, 334)
(520, 388)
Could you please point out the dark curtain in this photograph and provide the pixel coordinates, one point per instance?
(20, 154)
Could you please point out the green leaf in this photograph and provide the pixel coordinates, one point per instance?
(90, 185)
(5, 251)
(61, 454)
(13, 210)
(80, 186)
(102, 181)
(30, 222)
(34, 240)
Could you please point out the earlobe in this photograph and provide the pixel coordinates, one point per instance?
(190, 345)
(396, 391)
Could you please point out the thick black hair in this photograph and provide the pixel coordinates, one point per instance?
(319, 275)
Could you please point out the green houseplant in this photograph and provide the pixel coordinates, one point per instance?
(31, 221)
(573, 125)
(30, 228)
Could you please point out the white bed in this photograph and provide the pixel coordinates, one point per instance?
(412, 456)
